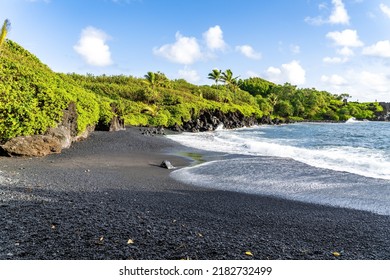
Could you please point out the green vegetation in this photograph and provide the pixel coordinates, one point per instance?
(289, 102)
(155, 100)
(33, 97)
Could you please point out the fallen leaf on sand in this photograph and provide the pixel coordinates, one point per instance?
(100, 241)
(336, 254)
(248, 253)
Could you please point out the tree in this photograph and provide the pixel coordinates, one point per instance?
(344, 97)
(162, 80)
(151, 79)
(227, 78)
(215, 75)
(157, 80)
(284, 109)
(257, 86)
(273, 100)
(4, 31)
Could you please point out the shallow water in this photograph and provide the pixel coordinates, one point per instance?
(345, 165)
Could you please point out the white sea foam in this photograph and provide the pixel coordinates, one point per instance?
(354, 120)
(357, 160)
(286, 179)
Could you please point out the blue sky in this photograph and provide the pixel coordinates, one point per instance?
(342, 46)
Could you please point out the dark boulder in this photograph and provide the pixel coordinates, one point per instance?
(167, 164)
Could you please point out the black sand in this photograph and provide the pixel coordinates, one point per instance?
(106, 198)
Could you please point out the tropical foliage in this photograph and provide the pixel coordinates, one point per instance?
(288, 101)
(33, 97)
(215, 75)
(156, 100)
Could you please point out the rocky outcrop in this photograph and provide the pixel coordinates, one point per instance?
(385, 114)
(62, 134)
(115, 124)
(210, 120)
(69, 119)
(85, 134)
(33, 146)
(53, 141)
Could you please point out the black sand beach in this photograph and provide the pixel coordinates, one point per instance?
(106, 198)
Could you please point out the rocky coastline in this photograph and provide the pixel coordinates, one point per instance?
(385, 114)
(54, 140)
(61, 137)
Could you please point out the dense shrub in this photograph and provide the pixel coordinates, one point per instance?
(32, 97)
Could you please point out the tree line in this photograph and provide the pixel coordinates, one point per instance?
(287, 101)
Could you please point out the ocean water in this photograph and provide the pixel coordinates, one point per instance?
(337, 164)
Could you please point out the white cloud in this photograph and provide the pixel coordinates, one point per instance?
(291, 72)
(381, 49)
(371, 82)
(346, 38)
(185, 50)
(333, 80)
(294, 72)
(189, 75)
(214, 38)
(274, 71)
(339, 15)
(248, 51)
(346, 51)
(334, 60)
(377, 82)
(385, 9)
(93, 48)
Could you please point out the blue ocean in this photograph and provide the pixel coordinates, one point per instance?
(337, 164)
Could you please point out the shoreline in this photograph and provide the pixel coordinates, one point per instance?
(91, 200)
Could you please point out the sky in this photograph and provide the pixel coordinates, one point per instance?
(341, 46)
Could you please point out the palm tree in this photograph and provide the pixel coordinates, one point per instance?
(151, 78)
(227, 78)
(4, 31)
(215, 75)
